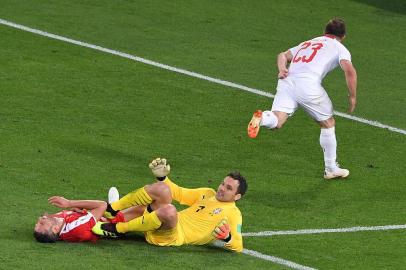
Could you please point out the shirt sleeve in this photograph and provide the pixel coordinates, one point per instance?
(294, 50)
(235, 221)
(187, 196)
(343, 53)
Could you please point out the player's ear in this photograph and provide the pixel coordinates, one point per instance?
(55, 229)
(237, 197)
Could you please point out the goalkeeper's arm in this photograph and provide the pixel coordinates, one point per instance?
(161, 169)
(228, 231)
(222, 231)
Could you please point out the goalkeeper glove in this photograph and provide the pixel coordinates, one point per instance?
(222, 231)
(160, 169)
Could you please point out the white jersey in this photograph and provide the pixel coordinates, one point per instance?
(317, 57)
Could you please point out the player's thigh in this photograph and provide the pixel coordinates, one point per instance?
(165, 237)
(284, 100)
(168, 215)
(319, 107)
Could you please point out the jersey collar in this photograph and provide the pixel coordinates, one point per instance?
(330, 36)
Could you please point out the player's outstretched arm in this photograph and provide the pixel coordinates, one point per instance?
(96, 207)
(351, 79)
(161, 169)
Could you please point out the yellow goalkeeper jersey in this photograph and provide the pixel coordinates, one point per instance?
(198, 221)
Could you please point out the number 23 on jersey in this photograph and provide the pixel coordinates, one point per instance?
(307, 52)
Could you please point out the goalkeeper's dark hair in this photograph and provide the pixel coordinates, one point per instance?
(242, 187)
(335, 27)
(46, 237)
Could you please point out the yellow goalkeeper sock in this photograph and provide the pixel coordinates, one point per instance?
(137, 197)
(144, 223)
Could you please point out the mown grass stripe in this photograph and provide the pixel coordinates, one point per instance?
(186, 72)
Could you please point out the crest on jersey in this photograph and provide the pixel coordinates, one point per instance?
(239, 228)
(217, 211)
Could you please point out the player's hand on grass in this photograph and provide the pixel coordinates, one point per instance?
(59, 201)
(222, 230)
(159, 167)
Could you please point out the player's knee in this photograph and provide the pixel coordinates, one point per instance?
(332, 122)
(279, 125)
(167, 213)
(329, 123)
(159, 192)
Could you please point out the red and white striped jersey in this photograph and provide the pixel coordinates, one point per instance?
(78, 226)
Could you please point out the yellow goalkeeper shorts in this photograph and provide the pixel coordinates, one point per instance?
(171, 237)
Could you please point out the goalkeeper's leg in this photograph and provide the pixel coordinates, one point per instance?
(158, 192)
(165, 217)
(160, 213)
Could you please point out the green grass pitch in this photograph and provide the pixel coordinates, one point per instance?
(75, 121)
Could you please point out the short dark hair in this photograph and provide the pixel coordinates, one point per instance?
(46, 237)
(336, 27)
(242, 187)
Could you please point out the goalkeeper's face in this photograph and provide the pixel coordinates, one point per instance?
(227, 191)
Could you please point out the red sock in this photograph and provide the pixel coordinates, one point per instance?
(118, 218)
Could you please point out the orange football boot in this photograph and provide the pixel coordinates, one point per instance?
(254, 125)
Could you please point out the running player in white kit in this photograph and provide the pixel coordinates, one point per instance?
(300, 85)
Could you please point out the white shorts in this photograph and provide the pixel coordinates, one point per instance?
(306, 93)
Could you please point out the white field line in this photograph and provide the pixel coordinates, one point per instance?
(135, 58)
(270, 258)
(277, 260)
(318, 231)
(182, 71)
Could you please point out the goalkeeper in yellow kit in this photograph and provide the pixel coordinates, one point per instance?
(211, 215)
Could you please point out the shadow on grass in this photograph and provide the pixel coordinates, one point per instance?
(138, 240)
(396, 6)
(101, 152)
(295, 199)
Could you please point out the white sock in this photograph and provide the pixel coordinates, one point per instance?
(328, 143)
(269, 119)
